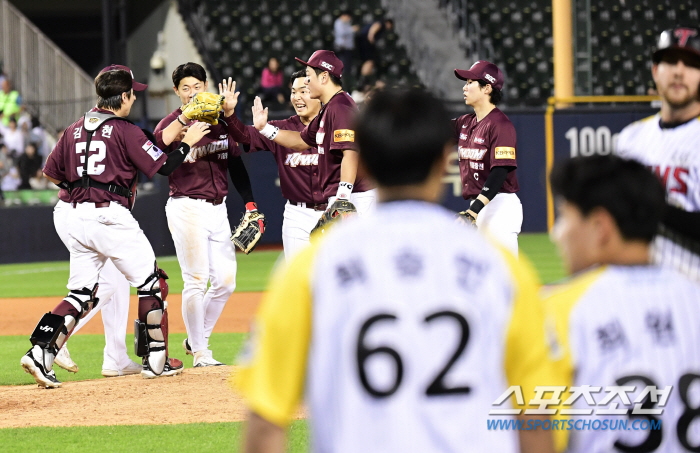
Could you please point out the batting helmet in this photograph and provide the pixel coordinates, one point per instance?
(684, 38)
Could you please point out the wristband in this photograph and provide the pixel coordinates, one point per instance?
(180, 121)
(251, 206)
(344, 190)
(270, 131)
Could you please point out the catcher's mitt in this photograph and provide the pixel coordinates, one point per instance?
(249, 231)
(338, 210)
(467, 217)
(204, 107)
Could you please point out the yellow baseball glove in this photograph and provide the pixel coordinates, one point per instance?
(204, 107)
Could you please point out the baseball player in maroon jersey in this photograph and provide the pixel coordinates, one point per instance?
(487, 156)
(298, 170)
(196, 210)
(97, 160)
(331, 132)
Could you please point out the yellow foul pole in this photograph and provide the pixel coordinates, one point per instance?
(563, 48)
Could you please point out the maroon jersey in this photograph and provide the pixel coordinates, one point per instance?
(204, 173)
(483, 145)
(298, 171)
(117, 149)
(331, 132)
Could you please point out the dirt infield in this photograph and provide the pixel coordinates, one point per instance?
(198, 394)
(21, 315)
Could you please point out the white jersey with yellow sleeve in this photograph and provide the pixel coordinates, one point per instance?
(633, 326)
(400, 330)
(673, 153)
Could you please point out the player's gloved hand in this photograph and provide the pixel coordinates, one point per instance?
(337, 211)
(467, 217)
(195, 132)
(204, 107)
(250, 229)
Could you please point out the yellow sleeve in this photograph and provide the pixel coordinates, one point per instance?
(559, 302)
(527, 359)
(273, 369)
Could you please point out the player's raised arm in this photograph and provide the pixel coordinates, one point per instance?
(290, 139)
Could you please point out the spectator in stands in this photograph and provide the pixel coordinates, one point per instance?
(344, 39)
(12, 137)
(367, 44)
(37, 134)
(6, 164)
(28, 164)
(272, 82)
(10, 103)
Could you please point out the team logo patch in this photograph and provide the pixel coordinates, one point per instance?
(154, 152)
(505, 152)
(490, 78)
(93, 120)
(147, 146)
(463, 136)
(479, 140)
(344, 135)
(327, 65)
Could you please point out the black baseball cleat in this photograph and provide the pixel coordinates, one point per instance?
(188, 348)
(172, 367)
(45, 379)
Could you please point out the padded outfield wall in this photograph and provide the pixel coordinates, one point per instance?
(27, 233)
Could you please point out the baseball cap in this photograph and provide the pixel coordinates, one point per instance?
(324, 60)
(482, 70)
(685, 38)
(136, 86)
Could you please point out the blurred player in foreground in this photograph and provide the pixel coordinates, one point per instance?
(621, 320)
(298, 170)
(97, 161)
(669, 143)
(487, 156)
(401, 344)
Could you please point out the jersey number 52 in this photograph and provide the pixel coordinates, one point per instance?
(98, 151)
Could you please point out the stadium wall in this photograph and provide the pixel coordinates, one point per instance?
(28, 233)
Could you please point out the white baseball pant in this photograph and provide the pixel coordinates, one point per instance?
(502, 219)
(201, 233)
(114, 301)
(300, 220)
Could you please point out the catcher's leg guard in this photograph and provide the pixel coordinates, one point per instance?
(38, 361)
(75, 306)
(150, 339)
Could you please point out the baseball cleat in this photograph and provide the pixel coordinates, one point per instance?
(132, 368)
(45, 379)
(186, 345)
(172, 367)
(64, 360)
(204, 358)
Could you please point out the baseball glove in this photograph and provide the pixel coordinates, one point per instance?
(204, 107)
(249, 231)
(467, 217)
(338, 210)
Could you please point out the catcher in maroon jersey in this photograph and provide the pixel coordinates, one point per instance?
(487, 148)
(331, 132)
(96, 161)
(196, 210)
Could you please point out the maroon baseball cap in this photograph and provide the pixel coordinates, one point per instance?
(684, 38)
(324, 60)
(134, 84)
(482, 70)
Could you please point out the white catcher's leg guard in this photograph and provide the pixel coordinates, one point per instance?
(150, 342)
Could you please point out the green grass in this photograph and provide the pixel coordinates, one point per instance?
(49, 278)
(196, 437)
(86, 351)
